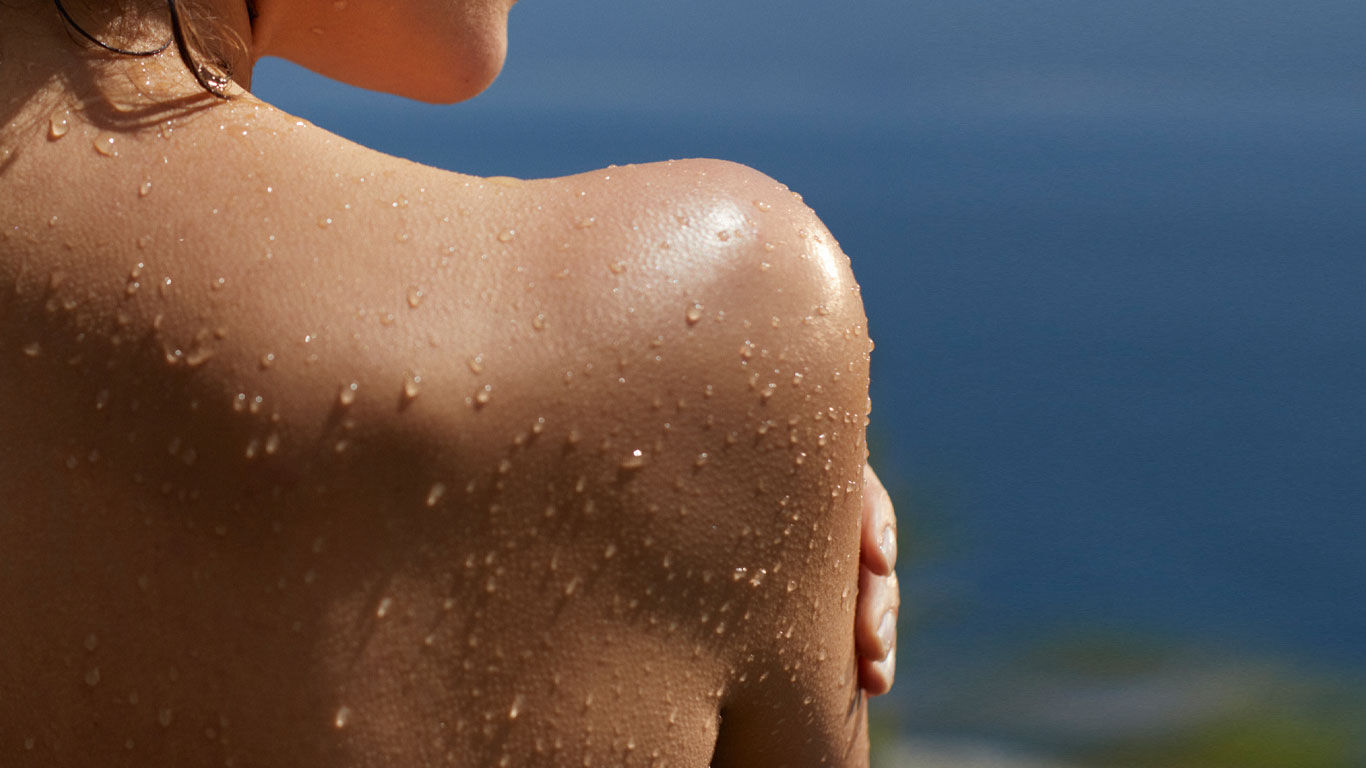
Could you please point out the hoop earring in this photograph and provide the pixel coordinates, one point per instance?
(112, 49)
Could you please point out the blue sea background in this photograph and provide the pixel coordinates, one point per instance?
(1112, 256)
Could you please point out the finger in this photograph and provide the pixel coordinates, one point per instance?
(879, 603)
(876, 677)
(877, 544)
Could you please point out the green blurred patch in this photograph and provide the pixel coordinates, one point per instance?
(1251, 740)
(1101, 698)
(1235, 712)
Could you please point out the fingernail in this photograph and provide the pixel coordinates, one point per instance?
(886, 543)
(886, 631)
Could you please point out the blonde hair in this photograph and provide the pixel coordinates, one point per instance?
(206, 44)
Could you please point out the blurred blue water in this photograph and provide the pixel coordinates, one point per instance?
(1113, 260)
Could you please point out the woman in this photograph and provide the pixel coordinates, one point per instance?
(314, 456)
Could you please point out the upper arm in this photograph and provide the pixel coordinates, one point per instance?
(778, 353)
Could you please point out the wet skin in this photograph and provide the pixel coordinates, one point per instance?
(327, 458)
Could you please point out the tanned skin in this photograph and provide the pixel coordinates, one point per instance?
(313, 456)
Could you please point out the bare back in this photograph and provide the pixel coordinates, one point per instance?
(314, 456)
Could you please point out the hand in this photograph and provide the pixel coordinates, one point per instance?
(879, 594)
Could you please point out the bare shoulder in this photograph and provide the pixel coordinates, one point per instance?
(734, 402)
(501, 440)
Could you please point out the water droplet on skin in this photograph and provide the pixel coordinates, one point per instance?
(634, 460)
(342, 717)
(219, 283)
(198, 356)
(58, 125)
(415, 296)
(507, 235)
(747, 350)
(585, 222)
(412, 386)
(694, 314)
(383, 609)
(702, 459)
(435, 493)
(145, 189)
(476, 364)
(107, 146)
(763, 206)
(572, 586)
(518, 705)
(483, 395)
(617, 267)
(33, 349)
(267, 360)
(92, 677)
(538, 322)
(347, 394)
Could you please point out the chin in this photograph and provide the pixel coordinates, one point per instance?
(442, 66)
(445, 77)
(462, 80)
